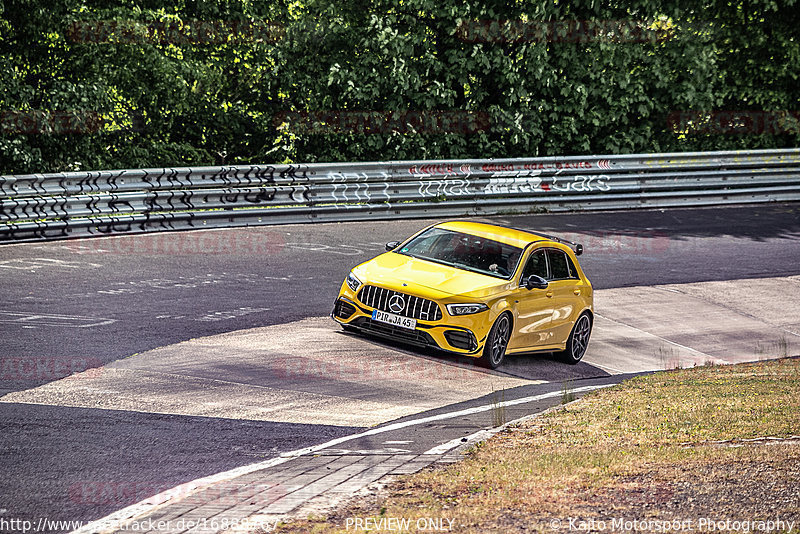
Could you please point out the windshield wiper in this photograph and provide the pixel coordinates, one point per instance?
(476, 270)
(466, 267)
(457, 265)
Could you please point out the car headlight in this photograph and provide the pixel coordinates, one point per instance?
(352, 281)
(466, 309)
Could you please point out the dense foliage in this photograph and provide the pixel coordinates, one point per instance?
(98, 84)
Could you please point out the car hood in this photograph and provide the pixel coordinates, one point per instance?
(425, 278)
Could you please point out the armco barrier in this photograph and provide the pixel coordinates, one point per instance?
(77, 204)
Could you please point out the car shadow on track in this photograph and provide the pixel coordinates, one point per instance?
(542, 366)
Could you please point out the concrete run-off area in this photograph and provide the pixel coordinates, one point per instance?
(309, 371)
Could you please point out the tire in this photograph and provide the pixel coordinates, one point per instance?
(496, 343)
(578, 340)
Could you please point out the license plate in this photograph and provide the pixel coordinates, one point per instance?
(396, 320)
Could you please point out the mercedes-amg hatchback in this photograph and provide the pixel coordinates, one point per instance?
(474, 289)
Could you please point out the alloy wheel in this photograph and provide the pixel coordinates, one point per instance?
(580, 337)
(500, 341)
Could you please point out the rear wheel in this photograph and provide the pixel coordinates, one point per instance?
(578, 340)
(496, 343)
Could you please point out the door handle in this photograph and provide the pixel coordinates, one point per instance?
(576, 291)
(549, 294)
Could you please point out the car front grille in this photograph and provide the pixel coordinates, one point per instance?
(414, 307)
(414, 337)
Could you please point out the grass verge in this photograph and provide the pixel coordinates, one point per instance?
(669, 451)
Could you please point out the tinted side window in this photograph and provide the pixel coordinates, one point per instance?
(558, 265)
(536, 265)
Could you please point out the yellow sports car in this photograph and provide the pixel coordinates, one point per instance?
(475, 289)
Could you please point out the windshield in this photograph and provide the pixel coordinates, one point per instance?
(464, 251)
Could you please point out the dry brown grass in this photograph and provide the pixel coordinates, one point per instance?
(641, 450)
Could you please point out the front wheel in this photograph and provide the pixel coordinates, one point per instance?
(578, 340)
(496, 343)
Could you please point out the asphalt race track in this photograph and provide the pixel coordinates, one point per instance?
(71, 305)
(107, 298)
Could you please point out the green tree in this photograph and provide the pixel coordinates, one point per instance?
(132, 83)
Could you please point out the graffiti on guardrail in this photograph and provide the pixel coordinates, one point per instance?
(152, 179)
(353, 186)
(421, 171)
(507, 178)
(162, 199)
(536, 184)
(445, 188)
(504, 169)
(36, 207)
(458, 181)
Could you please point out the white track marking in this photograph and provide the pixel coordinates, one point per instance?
(47, 319)
(117, 520)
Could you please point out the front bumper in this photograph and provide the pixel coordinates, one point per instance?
(460, 334)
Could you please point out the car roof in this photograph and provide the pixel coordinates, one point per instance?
(502, 234)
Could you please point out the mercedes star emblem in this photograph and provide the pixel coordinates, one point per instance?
(397, 304)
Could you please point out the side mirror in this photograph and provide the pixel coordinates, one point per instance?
(578, 249)
(535, 282)
(391, 245)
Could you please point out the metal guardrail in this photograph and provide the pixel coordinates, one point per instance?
(76, 204)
